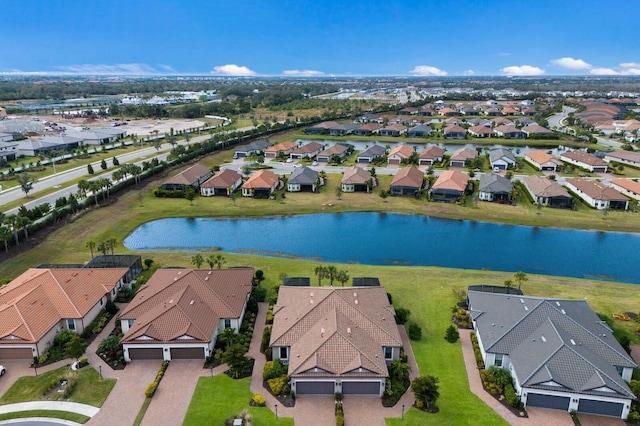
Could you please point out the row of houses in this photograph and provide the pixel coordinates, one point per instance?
(67, 141)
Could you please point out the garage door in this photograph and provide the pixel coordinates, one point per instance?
(393, 161)
(311, 388)
(600, 407)
(361, 388)
(145, 353)
(16, 353)
(548, 401)
(187, 353)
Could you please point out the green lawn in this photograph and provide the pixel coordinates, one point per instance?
(90, 388)
(64, 415)
(219, 398)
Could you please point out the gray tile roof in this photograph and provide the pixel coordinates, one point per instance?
(498, 153)
(495, 183)
(303, 176)
(373, 151)
(553, 344)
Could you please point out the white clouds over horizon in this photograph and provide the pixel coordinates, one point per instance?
(303, 73)
(233, 70)
(104, 69)
(522, 70)
(571, 63)
(426, 70)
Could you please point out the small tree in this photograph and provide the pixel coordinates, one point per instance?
(115, 161)
(384, 194)
(415, 331)
(190, 195)
(26, 182)
(426, 390)
(75, 347)
(235, 358)
(452, 334)
(197, 260)
(508, 283)
(103, 164)
(90, 169)
(402, 315)
(520, 277)
(148, 262)
(339, 192)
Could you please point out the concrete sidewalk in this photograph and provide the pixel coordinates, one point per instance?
(73, 407)
(40, 420)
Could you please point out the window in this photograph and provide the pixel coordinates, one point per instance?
(227, 323)
(71, 324)
(284, 353)
(101, 302)
(130, 322)
(620, 370)
(498, 360)
(388, 352)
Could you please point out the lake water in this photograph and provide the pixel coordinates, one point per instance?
(397, 239)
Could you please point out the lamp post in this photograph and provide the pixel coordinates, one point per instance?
(100, 370)
(276, 411)
(402, 418)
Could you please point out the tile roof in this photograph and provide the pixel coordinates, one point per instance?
(223, 179)
(38, 299)
(628, 184)
(284, 146)
(463, 154)
(451, 179)
(432, 152)
(583, 157)
(189, 176)
(371, 127)
(493, 183)
(536, 130)
(408, 177)
(403, 151)
(373, 151)
(308, 148)
(186, 304)
(543, 187)
(454, 129)
(338, 330)
(336, 149)
(481, 130)
(261, 179)
(551, 341)
(355, 175)
(596, 190)
(625, 155)
(498, 153)
(507, 129)
(254, 146)
(303, 176)
(539, 156)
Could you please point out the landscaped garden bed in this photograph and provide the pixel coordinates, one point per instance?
(110, 350)
(276, 382)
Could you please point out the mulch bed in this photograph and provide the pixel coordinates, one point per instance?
(285, 400)
(245, 372)
(503, 401)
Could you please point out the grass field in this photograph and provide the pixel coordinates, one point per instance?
(63, 415)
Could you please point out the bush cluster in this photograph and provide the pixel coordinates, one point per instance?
(461, 317)
(153, 386)
(339, 414)
(258, 400)
(414, 331)
(452, 334)
(266, 336)
(270, 315)
(274, 369)
(279, 385)
(476, 350)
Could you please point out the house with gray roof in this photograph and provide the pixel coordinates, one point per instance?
(251, 148)
(335, 339)
(419, 131)
(371, 153)
(501, 158)
(495, 188)
(561, 355)
(303, 179)
(343, 129)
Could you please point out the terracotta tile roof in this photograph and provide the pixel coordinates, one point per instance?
(481, 130)
(584, 157)
(596, 190)
(463, 154)
(624, 155)
(446, 110)
(454, 129)
(186, 304)
(355, 175)
(223, 179)
(308, 148)
(261, 179)
(452, 179)
(370, 127)
(539, 156)
(432, 152)
(284, 146)
(628, 184)
(536, 129)
(408, 177)
(506, 129)
(37, 300)
(402, 151)
(189, 176)
(502, 120)
(338, 330)
(396, 127)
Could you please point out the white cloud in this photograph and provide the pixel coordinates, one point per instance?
(572, 64)
(424, 70)
(233, 70)
(469, 72)
(167, 68)
(522, 70)
(603, 71)
(302, 73)
(630, 65)
(504, 54)
(117, 69)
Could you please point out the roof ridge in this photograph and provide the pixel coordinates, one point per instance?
(26, 325)
(517, 323)
(63, 292)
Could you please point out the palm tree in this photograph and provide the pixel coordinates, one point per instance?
(220, 260)
(23, 222)
(197, 260)
(5, 234)
(520, 277)
(320, 272)
(90, 245)
(102, 247)
(12, 221)
(211, 260)
(342, 277)
(83, 187)
(111, 244)
(332, 273)
(95, 187)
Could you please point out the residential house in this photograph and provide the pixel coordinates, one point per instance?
(40, 303)
(501, 158)
(509, 110)
(309, 150)
(448, 112)
(449, 187)
(399, 153)
(481, 131)
(524, 121)
(6, 137)
(455, 132)
(179, 313)
(542, 160)
(192, 177)
(284, 148)
(8, 152)
(529, 112)
(408, 111)
(419, 131)
(536, 130)
(425, 112)
(407, 182)
(337, 150)
(371, 153)
(460, 157)
(453, 121)
(223, 182)
(628, 187)
(509, 132)
(547, 192)
(335, 340)
(492, 112)
(261, 184)
(560, 354)
(431, 155)
(251, 148)
(495, 188)
(584, 160)
(303, 179)
(393, 130)
(343, 129)
(468, 111)
(320, 128)
(368, 129)
(501, 121)
(597, 194)
(479, 121)
(357, 179)
(628, 158)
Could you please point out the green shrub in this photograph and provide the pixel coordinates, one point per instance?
(510, 395)
(339, 420)
(279, 385)
(452, 335)
(415, 331)
(151, 389)
(260, 293)
(273, 370)
(258, 400)
(110, 307)
(338, 397)
(266, 336)
(402, 315)
(268, 353)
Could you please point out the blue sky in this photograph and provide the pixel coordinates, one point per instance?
(316, 38)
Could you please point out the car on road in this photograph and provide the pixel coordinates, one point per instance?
(2, 370)
(315, 163)
(289, 160)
